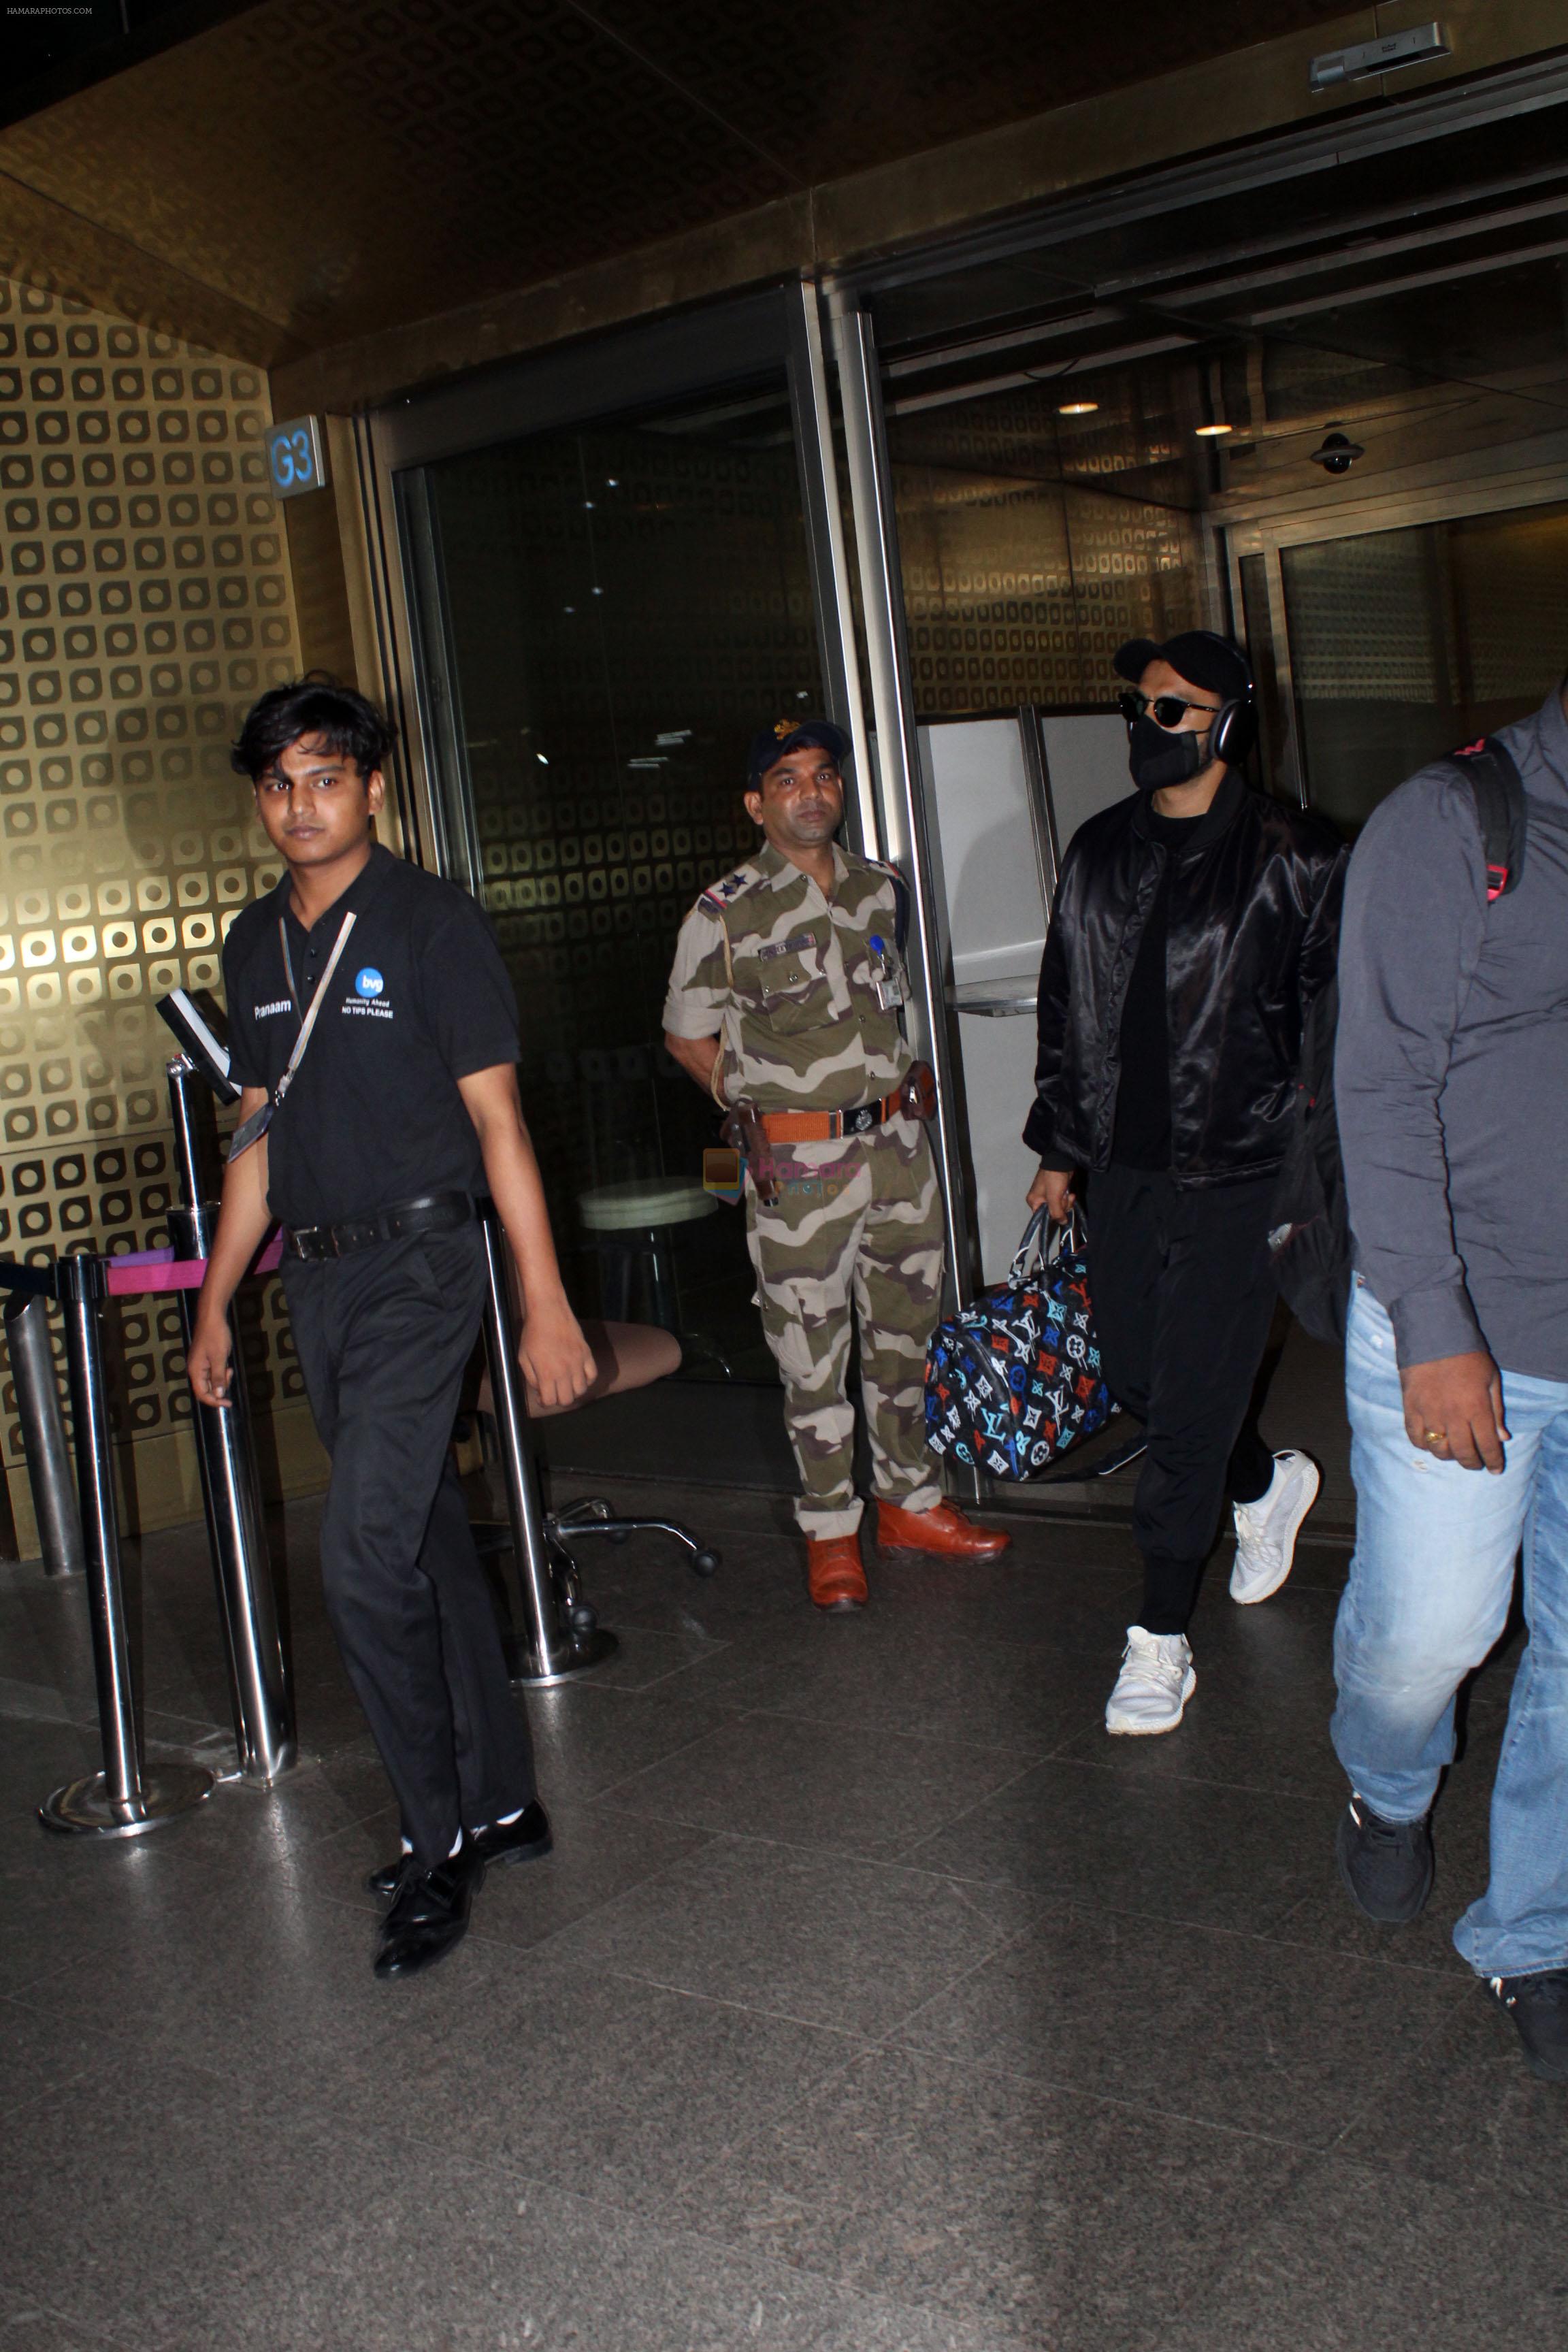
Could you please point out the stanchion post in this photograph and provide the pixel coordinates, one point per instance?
(125, 1798)
(260, 1692)
(49, 1472)
(550, 1650)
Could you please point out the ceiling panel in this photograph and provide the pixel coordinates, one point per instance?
(335, 169)
(834, 88)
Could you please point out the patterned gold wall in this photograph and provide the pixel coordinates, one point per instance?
(144, 601)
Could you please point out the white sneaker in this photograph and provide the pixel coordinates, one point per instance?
(1266, 1530)
(1156, 1683)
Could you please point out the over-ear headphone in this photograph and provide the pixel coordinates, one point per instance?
(1234, 733)
(1234, 730)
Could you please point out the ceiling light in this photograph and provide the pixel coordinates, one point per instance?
(1211, 432)
(1078, 407)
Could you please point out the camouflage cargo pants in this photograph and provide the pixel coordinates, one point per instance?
(857, 1222)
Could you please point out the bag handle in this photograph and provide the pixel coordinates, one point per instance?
(1067, 1239)
(1019, 1271)
(1071, 1238)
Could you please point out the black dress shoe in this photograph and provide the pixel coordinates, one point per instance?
(429, 1914)
(523, 1840)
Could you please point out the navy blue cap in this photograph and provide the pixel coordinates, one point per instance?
(774, 744)
(1200, 656)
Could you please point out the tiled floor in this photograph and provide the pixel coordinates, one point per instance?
(873, 2000)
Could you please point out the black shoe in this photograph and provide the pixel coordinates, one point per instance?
(523, 1840)
(1538, 2007)
(1386, 1866)
(429, 1914)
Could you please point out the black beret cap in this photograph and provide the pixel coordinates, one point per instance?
(1197, 654)
(774, 744)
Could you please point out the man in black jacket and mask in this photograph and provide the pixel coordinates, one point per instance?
(1193, 923)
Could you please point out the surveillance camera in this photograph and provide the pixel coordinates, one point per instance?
(1337, 453)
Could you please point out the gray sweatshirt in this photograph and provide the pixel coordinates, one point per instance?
(1452, 1069)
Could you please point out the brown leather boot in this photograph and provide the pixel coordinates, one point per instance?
(942, 1530)
(834, 1573)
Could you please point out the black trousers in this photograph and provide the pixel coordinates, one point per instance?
(383, 1339)
(1183, 1301)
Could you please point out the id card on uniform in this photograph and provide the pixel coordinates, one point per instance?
(887, 981)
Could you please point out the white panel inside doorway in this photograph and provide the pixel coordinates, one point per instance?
(1086, 758)
(979, 785)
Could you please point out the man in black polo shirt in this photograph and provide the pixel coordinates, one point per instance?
(373, 1032)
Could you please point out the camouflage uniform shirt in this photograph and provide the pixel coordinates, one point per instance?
(785, 976)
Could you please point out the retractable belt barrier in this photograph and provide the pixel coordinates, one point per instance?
(259, 1694)
(49, 1472)
(127, 1797)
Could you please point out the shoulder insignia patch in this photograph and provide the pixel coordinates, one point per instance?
(720, 895)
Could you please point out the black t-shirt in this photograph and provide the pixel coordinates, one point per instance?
(420, 999)
(1142, 1138)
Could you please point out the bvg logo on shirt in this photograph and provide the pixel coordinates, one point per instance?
(368, 986)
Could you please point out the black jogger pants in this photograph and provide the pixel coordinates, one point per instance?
(1183, 1301)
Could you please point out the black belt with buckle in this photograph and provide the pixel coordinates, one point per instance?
(433, 1212)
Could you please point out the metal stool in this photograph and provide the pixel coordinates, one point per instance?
(633, 1223)
(629, 1356)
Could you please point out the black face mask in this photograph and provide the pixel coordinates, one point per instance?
(1159, 759)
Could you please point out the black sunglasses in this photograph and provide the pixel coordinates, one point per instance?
(1166, 709)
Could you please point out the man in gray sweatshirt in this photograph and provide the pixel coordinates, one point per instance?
(1451, 1076)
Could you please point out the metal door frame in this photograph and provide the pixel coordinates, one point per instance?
(592, 383)
(829, 366)
(907, 827)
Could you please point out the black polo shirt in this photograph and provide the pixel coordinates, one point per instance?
(420, 999)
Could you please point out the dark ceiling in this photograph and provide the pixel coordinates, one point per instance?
(291, 175)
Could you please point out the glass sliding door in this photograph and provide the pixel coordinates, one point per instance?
(1035, 542)
(605, 614)
(1405, 643)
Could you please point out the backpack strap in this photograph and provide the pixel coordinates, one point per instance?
(1501, 810)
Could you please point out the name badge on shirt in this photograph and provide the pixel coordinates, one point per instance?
(887, 981)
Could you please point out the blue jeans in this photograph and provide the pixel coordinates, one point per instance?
(1428, 1595)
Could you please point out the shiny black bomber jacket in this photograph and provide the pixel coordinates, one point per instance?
(1254, 920)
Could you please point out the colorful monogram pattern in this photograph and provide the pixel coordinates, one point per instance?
(1013, 1380)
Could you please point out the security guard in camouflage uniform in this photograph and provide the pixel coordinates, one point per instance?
(783, 1003)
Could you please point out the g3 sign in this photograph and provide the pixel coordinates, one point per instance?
(295, 458)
